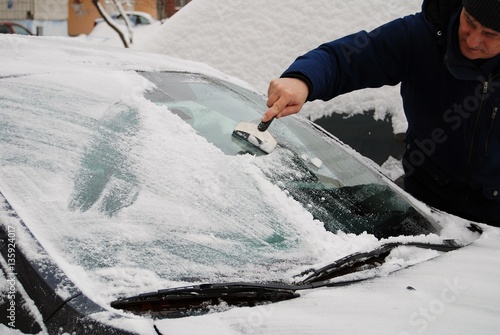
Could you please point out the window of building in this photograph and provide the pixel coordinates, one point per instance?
(180, 3)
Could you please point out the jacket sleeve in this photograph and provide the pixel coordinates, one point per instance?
(365, 59)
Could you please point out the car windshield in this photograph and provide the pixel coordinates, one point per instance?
(336, 188)
(20, 30)
(133, 182)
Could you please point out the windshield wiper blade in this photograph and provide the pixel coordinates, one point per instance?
(366, 260)
(197, 299)
(200, 299)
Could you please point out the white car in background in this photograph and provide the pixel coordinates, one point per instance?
(128, 207)
(141, 23)
(136, 18)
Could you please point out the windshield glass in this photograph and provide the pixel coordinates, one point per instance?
(335, 187)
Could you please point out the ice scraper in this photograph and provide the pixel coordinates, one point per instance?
(256, 135)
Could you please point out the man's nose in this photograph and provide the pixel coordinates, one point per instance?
(474, 38)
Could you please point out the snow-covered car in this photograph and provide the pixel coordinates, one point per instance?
(136, 18)
(128, 206)
(141, 23)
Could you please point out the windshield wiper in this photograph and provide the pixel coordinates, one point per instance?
(197, 299)
(200, 299)
(365, 260)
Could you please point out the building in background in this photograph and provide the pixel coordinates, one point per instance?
(76, 17)
(82, 13)
(42, 17)
(172, 6)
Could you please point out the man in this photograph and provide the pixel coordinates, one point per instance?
(447, 59)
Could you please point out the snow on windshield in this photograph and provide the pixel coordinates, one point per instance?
(127, 197)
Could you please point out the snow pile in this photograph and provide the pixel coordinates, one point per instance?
(257, 40)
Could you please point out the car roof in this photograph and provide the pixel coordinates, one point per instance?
(79, 51)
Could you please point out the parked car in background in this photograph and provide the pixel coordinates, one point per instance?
(141, 23)
(13, 28)
(136, 18)
(127, 206)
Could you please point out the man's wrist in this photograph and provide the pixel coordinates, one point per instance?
(301, 77)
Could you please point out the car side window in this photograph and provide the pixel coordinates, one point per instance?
(142, 20)
(4, 29)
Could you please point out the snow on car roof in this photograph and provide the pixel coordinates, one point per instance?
(27, 54)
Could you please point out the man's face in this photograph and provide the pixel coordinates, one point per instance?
(475, 40)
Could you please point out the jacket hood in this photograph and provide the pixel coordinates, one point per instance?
(439, 12)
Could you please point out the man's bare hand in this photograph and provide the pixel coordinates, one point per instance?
(286, 96)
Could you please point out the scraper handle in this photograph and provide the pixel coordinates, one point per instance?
(264, 125)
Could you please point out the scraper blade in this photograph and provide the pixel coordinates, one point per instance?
(256, 135)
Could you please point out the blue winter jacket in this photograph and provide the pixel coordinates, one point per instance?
(452, 161)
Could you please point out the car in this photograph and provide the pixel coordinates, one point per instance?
(141, 23)
(137, 18)
(13, 28)
(130, 204)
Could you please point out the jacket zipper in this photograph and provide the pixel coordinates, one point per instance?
(493, 115)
